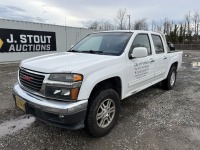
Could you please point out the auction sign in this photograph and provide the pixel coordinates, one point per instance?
(12, 40)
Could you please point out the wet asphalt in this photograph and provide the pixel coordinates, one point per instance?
(151, 119)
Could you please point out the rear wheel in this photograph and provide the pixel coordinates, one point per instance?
(170, 81)
(103, 113)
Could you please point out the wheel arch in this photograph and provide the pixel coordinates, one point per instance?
(114, 83)
(175, 64)
(170, 66)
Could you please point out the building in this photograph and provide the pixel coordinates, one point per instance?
(20, 40)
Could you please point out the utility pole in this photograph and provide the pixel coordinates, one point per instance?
(129, 21)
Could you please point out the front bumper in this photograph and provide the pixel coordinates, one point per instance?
(69, 115)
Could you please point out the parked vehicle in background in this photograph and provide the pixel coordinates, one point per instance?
(171, 46)
(83, 86)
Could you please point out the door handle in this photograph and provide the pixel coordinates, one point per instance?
(165, 57)
(152, 60)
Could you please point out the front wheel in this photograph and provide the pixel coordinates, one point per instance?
(170, 81)
(103, 113)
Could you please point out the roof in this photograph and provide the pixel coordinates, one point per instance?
(133, 31)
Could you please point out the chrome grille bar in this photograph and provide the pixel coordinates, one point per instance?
(31, 80)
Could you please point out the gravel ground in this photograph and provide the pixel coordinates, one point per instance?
(151, 119)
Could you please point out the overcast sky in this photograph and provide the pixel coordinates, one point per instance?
(78, 12)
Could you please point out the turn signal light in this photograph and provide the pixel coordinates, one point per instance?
(77, 77)
(74, 94)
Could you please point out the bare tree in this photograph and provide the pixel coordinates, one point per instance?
(153, 25)
(184, 32)
(166, 26)
(158, 26)
(188, 22)
(105, 25)
(121, 19)
(171, 26)
(198, 24)
(101, 25)
(141, 24)
(196, 19)
(94, 25)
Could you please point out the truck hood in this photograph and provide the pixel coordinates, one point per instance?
(63, 62)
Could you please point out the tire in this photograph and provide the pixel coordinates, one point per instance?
(103, 113)
(170, 81)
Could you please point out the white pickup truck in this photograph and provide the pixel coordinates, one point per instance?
(83, 86)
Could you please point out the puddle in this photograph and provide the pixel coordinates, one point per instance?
(12, 126)
(195, 64)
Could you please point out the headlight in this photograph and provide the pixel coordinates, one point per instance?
(66, 77)
(63, 86)
(61, 93)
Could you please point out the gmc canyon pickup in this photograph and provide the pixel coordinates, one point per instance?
(83, 86)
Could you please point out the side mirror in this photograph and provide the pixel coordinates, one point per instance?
(139, 52)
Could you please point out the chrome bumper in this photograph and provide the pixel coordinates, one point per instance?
(51, 106)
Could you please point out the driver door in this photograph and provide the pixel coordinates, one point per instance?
(140, 71)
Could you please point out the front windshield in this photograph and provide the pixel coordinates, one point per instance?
(107, 43)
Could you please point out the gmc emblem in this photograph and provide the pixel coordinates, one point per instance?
(27, 78)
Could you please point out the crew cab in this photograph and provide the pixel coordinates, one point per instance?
(83, 86)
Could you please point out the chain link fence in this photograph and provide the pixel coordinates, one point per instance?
(187, 46)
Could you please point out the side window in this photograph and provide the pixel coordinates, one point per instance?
(142, 40)
(158, 44)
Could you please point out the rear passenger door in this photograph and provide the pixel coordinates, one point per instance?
(160, 57)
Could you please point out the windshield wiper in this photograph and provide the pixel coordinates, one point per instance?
(74, 51)
(93, 52)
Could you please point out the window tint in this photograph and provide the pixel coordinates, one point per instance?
(158, 44)
(142, 40)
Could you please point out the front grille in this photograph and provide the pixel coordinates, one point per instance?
(30, 80)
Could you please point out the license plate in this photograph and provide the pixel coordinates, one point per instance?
(20, 103)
